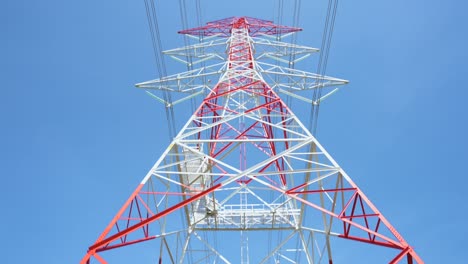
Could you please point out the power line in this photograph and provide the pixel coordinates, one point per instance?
(153, 24)
(323, 61)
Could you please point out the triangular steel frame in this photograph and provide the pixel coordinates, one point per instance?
(245, 162)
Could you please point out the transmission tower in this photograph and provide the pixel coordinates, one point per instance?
(245, 181)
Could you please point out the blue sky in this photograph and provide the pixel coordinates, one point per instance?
(77, 137)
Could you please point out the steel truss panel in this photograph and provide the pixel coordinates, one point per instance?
(245, 162)
(216, 50)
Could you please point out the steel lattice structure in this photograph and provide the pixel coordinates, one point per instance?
(244, 163)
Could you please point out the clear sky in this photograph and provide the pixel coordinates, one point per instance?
(77, 137)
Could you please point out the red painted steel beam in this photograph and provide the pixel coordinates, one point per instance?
(126, 243)
(379, 243)
(255, 26)
(154, 218)
(94, 248)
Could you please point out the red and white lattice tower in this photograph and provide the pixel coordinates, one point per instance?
(245, 164)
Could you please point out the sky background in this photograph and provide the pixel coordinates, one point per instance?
(77, 137)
